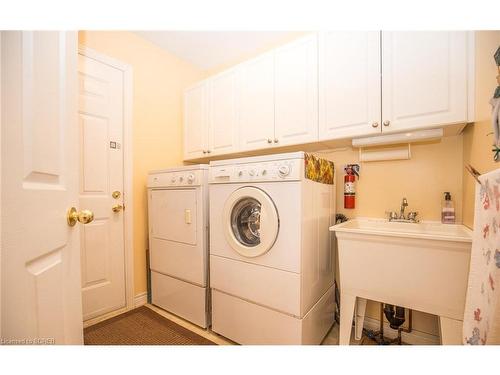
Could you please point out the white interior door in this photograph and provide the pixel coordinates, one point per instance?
(256, 102)
(195, 121)
(424, 79)
(223, 128)
(349, 90)
(40, 252)
(296, 92)
(101, 178)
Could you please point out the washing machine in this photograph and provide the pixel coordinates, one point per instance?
(178, 241)
(271, 253)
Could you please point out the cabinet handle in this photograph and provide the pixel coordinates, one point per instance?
(375, 125)
(387, 123)
(269, 140)
(276, 140)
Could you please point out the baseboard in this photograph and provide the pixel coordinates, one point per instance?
(140, 299)
(100, 318)
(413, 338)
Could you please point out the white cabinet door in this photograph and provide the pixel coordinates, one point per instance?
(40, 252)
(256, 103)
(296, 95)
(222, 111)
(195, 121)
(424, 79)
(349, 90)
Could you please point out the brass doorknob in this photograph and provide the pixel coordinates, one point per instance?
(84, 216)
(117, 208)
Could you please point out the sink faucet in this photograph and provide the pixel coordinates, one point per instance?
(410, 218)
(404, 204)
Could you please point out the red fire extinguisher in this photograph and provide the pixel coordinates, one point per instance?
(349, 186)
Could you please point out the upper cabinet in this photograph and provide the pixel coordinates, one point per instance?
(332, 85)
(222, 113)
(269, 101)
(296, 92)
(210, 117)
(424, 79)
(195, 121)
(349, 88)
(372, 82)
(278, 96)
(256, 103)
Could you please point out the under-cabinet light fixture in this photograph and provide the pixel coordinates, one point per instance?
(406, 137)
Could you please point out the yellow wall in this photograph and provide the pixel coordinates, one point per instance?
(477, 142)
(159, 80)
(433, 169)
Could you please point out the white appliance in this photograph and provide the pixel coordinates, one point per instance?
(271, 254)
(178, 241)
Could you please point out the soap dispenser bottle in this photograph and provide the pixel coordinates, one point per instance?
(448, 210)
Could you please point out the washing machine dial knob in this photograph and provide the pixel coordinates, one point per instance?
(173, 179)
(181, 178)
(252, 172)
(190, 178)
(284, 170)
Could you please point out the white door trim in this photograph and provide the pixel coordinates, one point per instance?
(128, 228)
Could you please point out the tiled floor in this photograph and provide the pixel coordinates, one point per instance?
(331, 339)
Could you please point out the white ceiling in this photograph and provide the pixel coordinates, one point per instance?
(209, 49)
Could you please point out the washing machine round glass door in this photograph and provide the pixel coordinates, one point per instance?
(251, 222)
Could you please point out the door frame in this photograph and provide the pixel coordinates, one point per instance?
(128, 229)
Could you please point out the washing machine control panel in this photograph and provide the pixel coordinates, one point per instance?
(289, 170)
(181, 178)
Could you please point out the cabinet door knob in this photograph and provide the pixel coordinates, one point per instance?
(375, 125)
(208, 151)
(387, 123)
(276, 140)
(204, 152)
(269, 140)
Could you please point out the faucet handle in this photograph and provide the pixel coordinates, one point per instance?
(412, 216)
(392, 215)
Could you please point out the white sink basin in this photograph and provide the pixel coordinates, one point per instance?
(424, 230)
(421, 266)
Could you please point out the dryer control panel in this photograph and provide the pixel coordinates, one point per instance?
(279, 170)
(179, 178)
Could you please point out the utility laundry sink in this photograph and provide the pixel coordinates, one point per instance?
(424, 230)
(422, 266)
